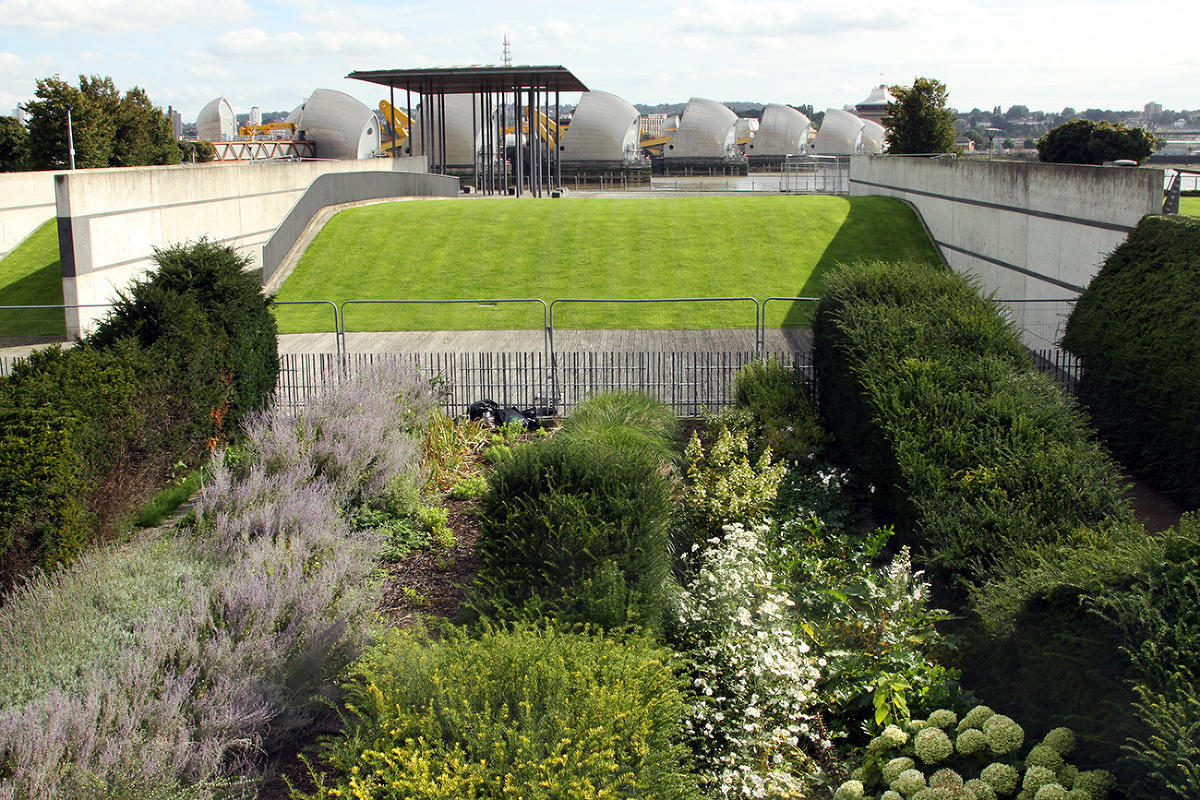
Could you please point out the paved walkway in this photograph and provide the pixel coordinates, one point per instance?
(725, 340)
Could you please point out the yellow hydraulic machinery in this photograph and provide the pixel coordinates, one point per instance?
(654, 145)
(268, 129)
(398, 121)
(548, 130)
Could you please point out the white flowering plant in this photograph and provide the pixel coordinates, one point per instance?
(753, 714)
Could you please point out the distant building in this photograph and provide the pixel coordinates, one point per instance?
(651, 125)
(217, 122)
(874, 108)
(255, 115)
(1152, 111)
(965, 144)
(176, 122)
(22, 115)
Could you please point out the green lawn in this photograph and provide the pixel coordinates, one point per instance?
(31, 276)
(1189, 206)
(651, 247)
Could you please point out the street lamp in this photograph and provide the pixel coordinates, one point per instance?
(991, 132)
(70, 139)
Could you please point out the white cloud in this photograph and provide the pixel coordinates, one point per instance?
(120, 16)
(255, 43)
(771, 18)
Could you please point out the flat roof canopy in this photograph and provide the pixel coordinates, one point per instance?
(473, 80)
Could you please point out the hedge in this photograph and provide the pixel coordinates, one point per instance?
(1105, 634)
(971, 453)
(185, 354)
(1136, 329)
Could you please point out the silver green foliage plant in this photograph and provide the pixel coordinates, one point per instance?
(973, 758)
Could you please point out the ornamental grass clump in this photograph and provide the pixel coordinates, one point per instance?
(752, 717)
(981, 762)
(531, 712)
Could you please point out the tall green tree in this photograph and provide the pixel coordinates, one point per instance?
(918, 121)
(13, 142)
(91, 127)
(110, 129)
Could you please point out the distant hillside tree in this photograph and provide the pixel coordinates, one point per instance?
(13, 142)
(1084, 141)
(918, 121)
(109, 130)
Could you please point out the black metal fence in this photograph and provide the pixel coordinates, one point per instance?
(689, 383)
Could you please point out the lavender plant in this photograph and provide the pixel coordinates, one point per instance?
(171, 668)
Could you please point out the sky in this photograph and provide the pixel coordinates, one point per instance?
(1114, 54)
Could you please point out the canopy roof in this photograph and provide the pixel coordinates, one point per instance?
(473, 79)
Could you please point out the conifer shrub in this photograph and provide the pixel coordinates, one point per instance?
(1136, 328)
(533, 712)
(929, 391)
(215, 278)
(575, 528)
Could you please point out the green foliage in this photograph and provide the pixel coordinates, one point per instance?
(721, 485)
(1117, 608)
(1083, 141)
(929, 390)
(41, 514)
(197, 152)
(626, 419)
(1135, 329)
(469, 488)
(781, 416)
(575, 528)
(531, 712)
(109, 130)
(14, 143)
(918, 121)
(213, 279)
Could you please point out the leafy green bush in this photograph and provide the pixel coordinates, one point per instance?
(531, 712)
(722, 487)
(929, 390)
(577, 529)
(1084, 141)
(780, 413)
(214, 278)
(1135, 328)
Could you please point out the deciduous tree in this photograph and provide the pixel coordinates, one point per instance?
(918, 121)
(13, 141)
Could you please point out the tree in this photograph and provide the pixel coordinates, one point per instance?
(1084, 141)
(13, 141)
(197, 152)
(110, 130)
(1016, 112)
(918, 121)
(976, 138)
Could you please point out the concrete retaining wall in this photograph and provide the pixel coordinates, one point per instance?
(1026, 231)
(110, 220)
(26, 201)
(334, 189)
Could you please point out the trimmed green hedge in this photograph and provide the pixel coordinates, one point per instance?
(576, 527)
(1105, 634)
(1137, 330)
(972, 454)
